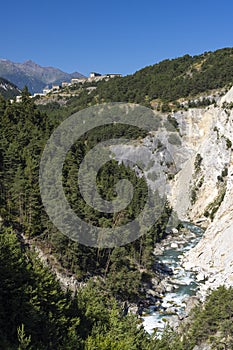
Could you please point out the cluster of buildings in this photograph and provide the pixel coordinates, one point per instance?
(93, 77)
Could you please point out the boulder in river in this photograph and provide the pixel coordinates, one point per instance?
(174, 245)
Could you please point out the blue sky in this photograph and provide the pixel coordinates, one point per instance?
(112, 36)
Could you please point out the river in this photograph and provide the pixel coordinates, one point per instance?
(182, 283)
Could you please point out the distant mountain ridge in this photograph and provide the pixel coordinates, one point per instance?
(7, 89)
(33, 75)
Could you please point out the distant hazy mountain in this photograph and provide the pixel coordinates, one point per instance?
(7, 89)
(34, 76)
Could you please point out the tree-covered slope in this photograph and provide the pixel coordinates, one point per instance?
(158, 85)
(35, 314)
(24, 132)
(34, 311)
(172, 79)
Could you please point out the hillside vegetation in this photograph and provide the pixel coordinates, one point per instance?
(117, 274)
(163, 85)
(173, 79)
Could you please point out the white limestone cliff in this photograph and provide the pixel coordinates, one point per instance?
(213, 205)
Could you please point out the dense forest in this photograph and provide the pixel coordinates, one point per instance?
(36, 312)
(121, 272)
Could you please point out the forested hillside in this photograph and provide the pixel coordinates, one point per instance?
(172, 79)
(162, 86)
(37, 314)
(121, 273)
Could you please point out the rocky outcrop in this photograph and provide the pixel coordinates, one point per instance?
(228, 98)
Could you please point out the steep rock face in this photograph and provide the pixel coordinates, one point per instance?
(213, 255)
(195, 126)
(207, 134)
(159, 156)
(203, 192)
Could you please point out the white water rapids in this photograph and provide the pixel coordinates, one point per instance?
(183, 284)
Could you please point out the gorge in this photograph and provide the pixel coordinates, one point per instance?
(200, 190)
(53, 285)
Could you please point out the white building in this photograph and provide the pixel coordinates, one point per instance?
(55, 87)
(78, 80)
(94, 75)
